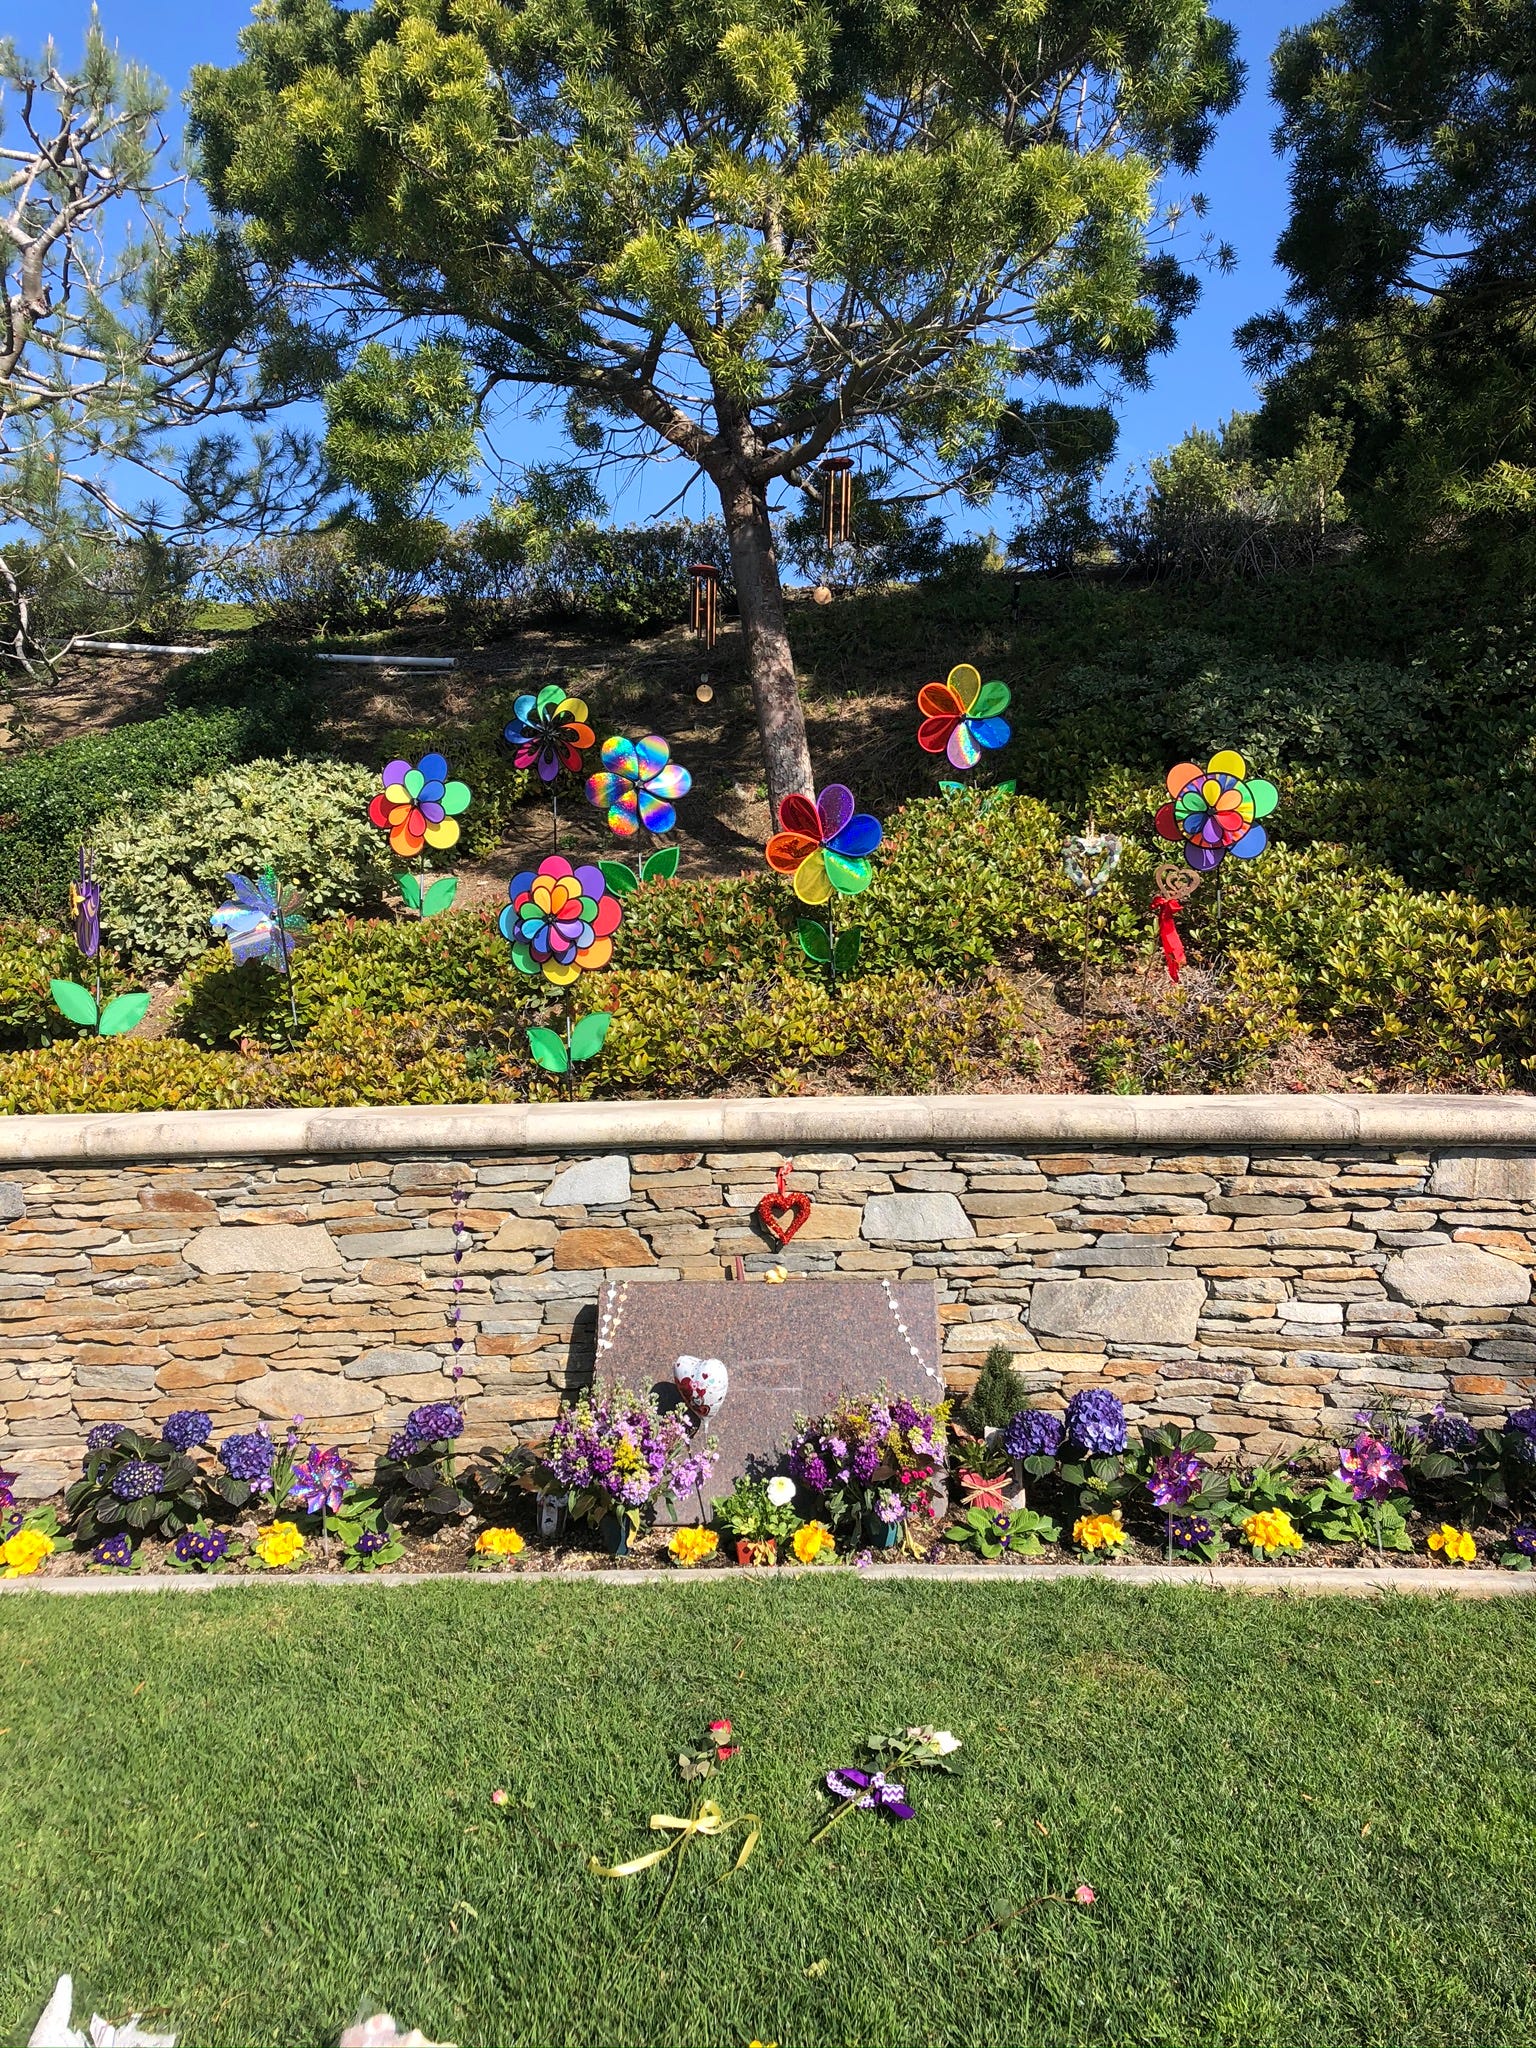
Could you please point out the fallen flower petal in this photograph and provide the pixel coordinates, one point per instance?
(1084, 1895)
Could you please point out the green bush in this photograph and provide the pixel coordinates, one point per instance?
(30, 957)
(164, 874)
(278, 685)
(1206, 1036)
(52, 801)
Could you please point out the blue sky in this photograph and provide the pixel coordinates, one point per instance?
(1199, 383)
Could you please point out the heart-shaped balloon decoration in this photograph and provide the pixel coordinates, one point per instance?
(703, 1384)
(783, 1213)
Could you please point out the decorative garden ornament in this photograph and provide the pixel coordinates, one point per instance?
(704, 601)
(419, 807)
(638, 785)
(961, 717)
(1174, 887)
(263, 922)
(549, 732)
(80, 1005)
(1090, 858)
(824, 845)
(560, 921)
(1215, 810)
(703, 1384)
(785, 1210)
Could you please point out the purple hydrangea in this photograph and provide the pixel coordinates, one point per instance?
(186, 1429)
(402, 1445)
(103, 1437)
(137, 1479)
(1188, 1532)
(1520, 1435)
(1371, 1468)
(1447, 1433)
(1034, 1433)
(1096, 1422)
(249, 1458)
(1523, 1539)
(116, 1551)
(437, 1422)
(1175, 1479)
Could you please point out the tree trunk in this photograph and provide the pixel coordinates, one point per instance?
(771, 665)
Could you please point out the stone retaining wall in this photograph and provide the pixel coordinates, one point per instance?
(1253, 1282)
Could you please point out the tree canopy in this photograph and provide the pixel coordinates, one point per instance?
(1411, 131)
(743, 232)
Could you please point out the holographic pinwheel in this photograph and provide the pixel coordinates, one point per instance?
(960, 717)
(419, 808)
(1215, 810)
(639, 784)
(263, 922)
(71, 998)
(560, 921)
(825, 846)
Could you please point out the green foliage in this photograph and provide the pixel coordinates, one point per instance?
(53, 801)
(31, 959)
(747, 1513)
(95, 1510)
(333, 581)
(277, 686)
(1008, 1532)
(163, 875)
(998, 1395)
(1206, 1035)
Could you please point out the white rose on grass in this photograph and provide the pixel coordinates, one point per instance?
(939, 1740)
(781, 1491)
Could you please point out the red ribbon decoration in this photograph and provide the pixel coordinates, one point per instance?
(1168, 908)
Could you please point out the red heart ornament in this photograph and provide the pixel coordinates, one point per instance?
(782, 1214)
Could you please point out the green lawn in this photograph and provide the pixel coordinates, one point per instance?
(1307, 1821)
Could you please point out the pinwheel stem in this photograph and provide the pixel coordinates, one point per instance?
(554, 815)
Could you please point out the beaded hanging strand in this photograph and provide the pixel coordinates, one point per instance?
(610, 1313)
(890, 1298)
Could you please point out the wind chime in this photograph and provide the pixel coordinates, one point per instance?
(704, 601)
(836, 499)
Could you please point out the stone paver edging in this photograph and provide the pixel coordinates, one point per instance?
(1190, 1121)
(1281, 1579)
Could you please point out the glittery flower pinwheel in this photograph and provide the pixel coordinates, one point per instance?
(1371, 1468)
(960, 717)
(825, 845)
(560, 920)
(85, 907)
(549, 732)
(419, 806)
(1174, 1480)
(262, 922)
(638, 784)
(1215, 811)
(321, 1480)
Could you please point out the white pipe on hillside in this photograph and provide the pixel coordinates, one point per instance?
(351, 660)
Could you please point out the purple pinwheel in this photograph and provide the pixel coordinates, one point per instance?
(7, 1481)
(1371, 1468)
(85, 906)
(871, 1792)
(321, 1480)
(1175, 1479)
(262, 922)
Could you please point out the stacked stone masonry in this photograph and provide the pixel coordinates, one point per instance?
(1262, 1294)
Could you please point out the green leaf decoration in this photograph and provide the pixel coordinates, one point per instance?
(1003, 789)
(548, 1049)
(620, 879)
(661, 865)
(846, 956)
(74, 1002)
(410, 891)
(814, 943)
(588, 1035)
(990, 699)
(848, 877)
(953, 788)
(122, 1013)
(440, 895)
(456, 799)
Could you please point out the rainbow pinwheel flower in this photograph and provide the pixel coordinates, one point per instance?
(1215, 811)
(638, 784)
(960, 716)
(419, 806)
(560, 920)
(549, 732)
(263, 921)
(824, 844)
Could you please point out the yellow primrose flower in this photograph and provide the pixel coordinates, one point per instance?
(24, 1552)
(1098, 1532)
(282, 1544)
(692, 1546)
(499, 1543)
(812, 1542)
(1456, 1544)
(1271, 1530)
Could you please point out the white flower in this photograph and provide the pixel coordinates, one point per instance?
(939, 1740)
(781, 1491)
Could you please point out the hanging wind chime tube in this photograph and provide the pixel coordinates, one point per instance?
(836, 499)
(704, 601)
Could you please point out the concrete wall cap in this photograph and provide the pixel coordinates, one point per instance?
(1190, 1123)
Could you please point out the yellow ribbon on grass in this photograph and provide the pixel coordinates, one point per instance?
(706, 1819)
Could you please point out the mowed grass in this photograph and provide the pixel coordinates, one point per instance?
(1307, 1821)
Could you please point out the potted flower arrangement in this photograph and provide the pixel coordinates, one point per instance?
(760, 1515)
(877, 1464)
(614, 1457)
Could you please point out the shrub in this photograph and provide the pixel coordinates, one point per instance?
(998, 1395)
(51, 802)
(276, 684)
(516, 565)
(164, 873)
(1208, 1035)
(311, 584)
(30, 957)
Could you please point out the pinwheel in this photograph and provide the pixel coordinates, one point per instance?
(549, 732)
(1215, 811)
(85, 907)
(638, 784)
(824, 844)
(560, 920)
(262, 922)
(960, 717)
(418, 806)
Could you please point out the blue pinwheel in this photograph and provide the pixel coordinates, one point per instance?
(262, 922)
